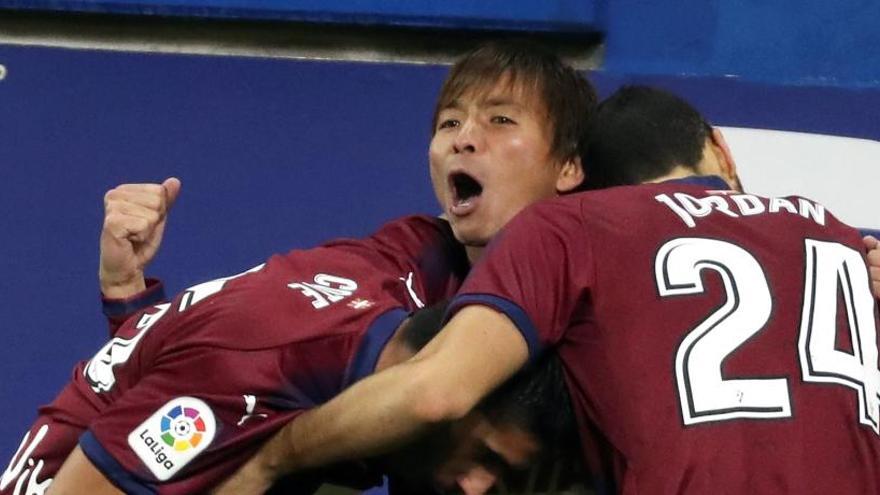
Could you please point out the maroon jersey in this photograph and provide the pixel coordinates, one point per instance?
(187, 390)
(714, 342)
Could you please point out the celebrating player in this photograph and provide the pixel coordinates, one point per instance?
(161, 407)
(698, 358)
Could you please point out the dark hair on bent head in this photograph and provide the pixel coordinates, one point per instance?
(536, 400)
(569, 98)
(423, 325)
(640, 133)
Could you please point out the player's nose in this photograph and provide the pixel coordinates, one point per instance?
(468, 138)
(477, 481)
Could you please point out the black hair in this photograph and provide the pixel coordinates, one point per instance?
(569, 99)
(424, 325)
(641, 133)
(536, 400)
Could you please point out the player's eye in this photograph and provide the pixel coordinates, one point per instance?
(501, 119)
(447, 124)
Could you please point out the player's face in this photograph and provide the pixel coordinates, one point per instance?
(490, 158)
(467, 456)
(481, 453)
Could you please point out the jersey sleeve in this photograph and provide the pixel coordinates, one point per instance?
(118, 310)
(195, 416)
(535, 272)
(867, 232)
(426, 248)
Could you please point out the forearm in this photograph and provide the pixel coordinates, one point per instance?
(344, 429)
(443, 382)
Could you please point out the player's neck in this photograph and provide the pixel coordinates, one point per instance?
(679, 172)
(474, 253)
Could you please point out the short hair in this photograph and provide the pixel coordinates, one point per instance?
(423, 325)
(569, 99)
(536, 400)
(641, 133)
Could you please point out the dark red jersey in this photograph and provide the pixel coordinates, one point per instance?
(714, 342)
(186, 390)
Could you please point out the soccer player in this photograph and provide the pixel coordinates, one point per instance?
(187, 389)
(521, 112)
(713, 341)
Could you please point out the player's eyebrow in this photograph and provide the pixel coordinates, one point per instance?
(500, 101)
(490, 102)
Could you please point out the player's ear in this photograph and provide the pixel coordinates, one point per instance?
(571, 175)
(726, 163)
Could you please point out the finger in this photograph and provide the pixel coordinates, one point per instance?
(150, 197)
(122, 213)
(871, 242)
(172, 187)
(874, 257)
(121, 226)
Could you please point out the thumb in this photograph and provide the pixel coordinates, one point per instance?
(172, 190)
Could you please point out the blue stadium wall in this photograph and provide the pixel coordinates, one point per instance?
(278, 153)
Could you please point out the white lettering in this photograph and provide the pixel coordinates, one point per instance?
(689, 208)
(813, 211)
(748, 204)
(16, 468)
(678, 210)
(777, 203)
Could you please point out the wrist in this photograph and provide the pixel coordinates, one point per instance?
(122, 288)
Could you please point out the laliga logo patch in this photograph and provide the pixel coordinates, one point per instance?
(173, 436)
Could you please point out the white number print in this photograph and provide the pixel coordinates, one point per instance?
(704, 394)
(100, 369)
(326, 290)
(829, 266)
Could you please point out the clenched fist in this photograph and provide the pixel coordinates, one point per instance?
(134, 222)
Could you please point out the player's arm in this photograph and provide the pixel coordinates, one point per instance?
(134, 222)
(135, 216)
(873, 246)
(442, 382)
(78, 475)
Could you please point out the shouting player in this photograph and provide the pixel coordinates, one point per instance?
(713, 341)
(186, 390)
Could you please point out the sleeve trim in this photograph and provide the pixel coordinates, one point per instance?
(372, 343)
(510, 309)
(153, 294)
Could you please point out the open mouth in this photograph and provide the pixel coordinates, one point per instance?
(464, 188)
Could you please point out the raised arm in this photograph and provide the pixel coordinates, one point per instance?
(475, 352)
(134, 223)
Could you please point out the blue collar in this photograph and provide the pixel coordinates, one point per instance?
(712, 182)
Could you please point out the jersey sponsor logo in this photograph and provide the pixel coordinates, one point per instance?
(24, 468)
(173, 436)
(326, 289)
